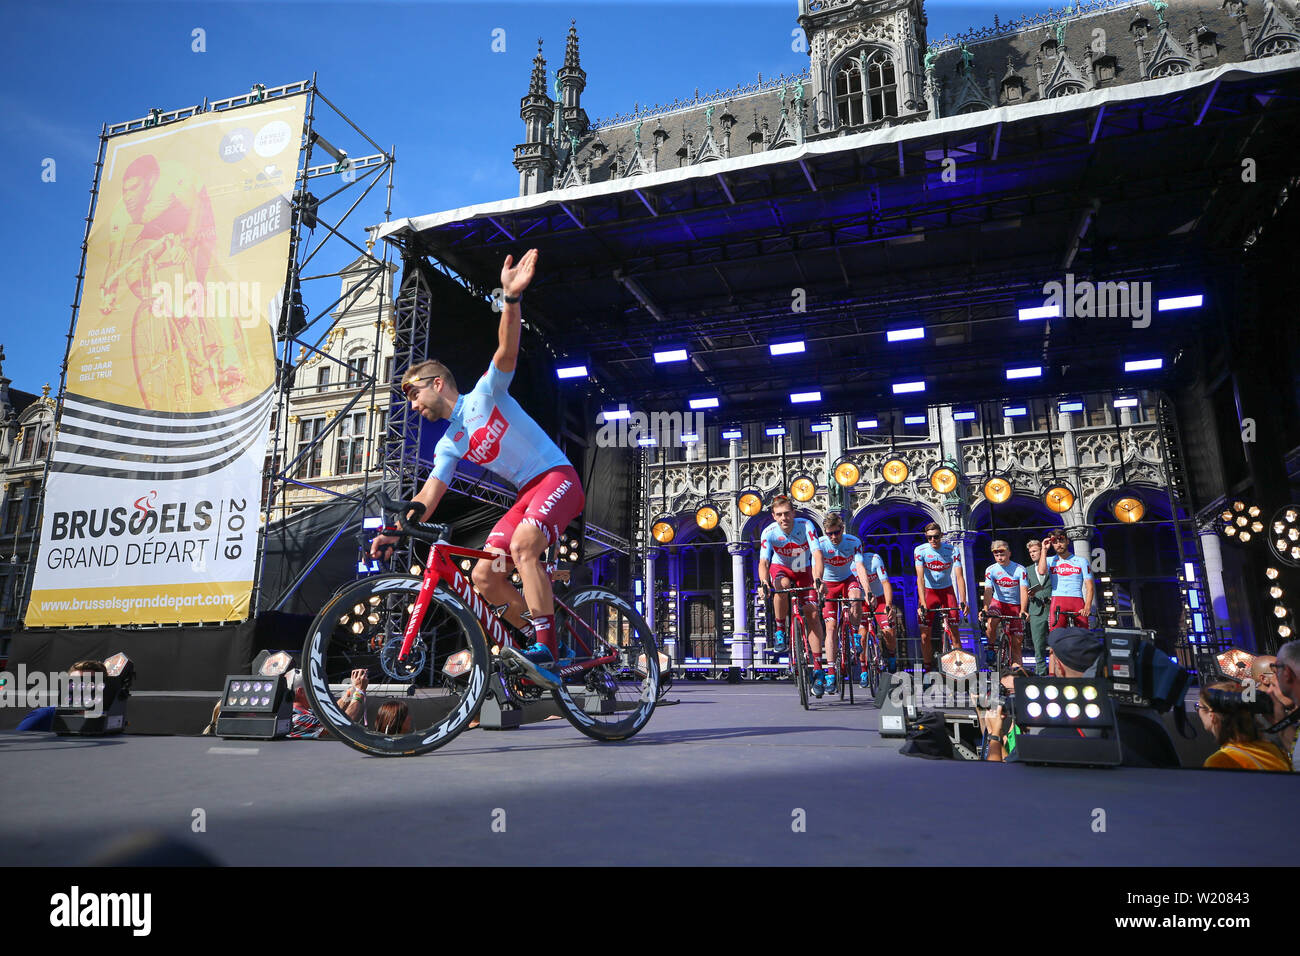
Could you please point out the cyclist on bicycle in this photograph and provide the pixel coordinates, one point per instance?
(786, 544)
(1006, 592)
(834, 558)
(490, 429)
(936, 563)
(870, 570)
(1072, 587)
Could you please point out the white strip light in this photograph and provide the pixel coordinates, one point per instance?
(1031, 371)
(786, 348)
(1180, 302)
(1143, 365)
(904, 335)
(904, 388)
(671, 355)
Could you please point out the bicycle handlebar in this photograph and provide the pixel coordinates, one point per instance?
(407, 524)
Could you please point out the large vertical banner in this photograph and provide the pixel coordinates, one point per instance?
(151, 508)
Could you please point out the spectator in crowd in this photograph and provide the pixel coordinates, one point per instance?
(1262, 672)
(1286, 674)
(1231, 719)
(306, 725)
(393, 717)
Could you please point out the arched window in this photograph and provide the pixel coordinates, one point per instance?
(865, 97)
(1277, 45)
(1168, 68)
(1067, 89)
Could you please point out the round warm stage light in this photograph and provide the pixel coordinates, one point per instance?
(894, 471)
(1051, 692)
(1258, 526)
(1238, 506)
(1275, 593)
(1242, 522)
(706, 516)
(1072, 711)
(1059, 497)
(1128, 508)
(1230, 531)
(943, 480)
(1093, 711)
(1244, 536)
(1090, 693)
(750, 503)
(1031, 691)
(1271, 573)
(1034, 710)
(1279, 611)
(1053, 710)
(847, 473)
(802, 488)
(997, 490)
(663, 530)
(1284, 632)
(1071, 692)
(1253, 511)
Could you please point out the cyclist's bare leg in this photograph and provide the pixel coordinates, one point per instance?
(490, 577)
(813, 621)
(526, 548)
(1017, 637)
(991, 630)
(781, 602)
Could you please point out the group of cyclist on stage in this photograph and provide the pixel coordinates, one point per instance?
(827, 571)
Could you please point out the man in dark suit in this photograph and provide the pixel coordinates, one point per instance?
(1040, 596)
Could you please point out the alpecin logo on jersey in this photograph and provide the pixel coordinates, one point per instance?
(935, 564)
(837, 560)
(485, 443)
(1065, 569)
(790, 549)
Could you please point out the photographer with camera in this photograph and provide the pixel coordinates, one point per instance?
(1226, 714)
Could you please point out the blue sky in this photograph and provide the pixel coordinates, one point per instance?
(418, 76)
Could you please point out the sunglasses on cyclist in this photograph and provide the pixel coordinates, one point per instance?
(934, 537)
(412, 387)
(836, 533)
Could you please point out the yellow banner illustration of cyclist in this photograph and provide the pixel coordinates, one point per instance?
(155, 482)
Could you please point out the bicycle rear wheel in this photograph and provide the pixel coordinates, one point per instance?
(441, 684)
(611, 700)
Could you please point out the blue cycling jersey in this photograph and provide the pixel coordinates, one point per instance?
(489, 428)
(838, 559)
(938, 563)
(1068, 575)
(1005, 582)
(792, 552)
(876, 573)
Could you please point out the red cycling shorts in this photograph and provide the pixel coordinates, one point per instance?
(837, 590)
(878, 609)
(550, 501)
(1069, 606)
(940, 597)
(1007, 610)
(785, 578)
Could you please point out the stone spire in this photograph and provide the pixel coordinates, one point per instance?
(573, 80)
(535, 156)
(537, 85)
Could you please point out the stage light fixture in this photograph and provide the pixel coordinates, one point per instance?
(1128, 507)
(728, 434)
(847, 473)
(867, 423)
(1058, 496)
(965, 415)
(1064, 702)
(799, 398)
(818, 428)
(84, 715)
(1069, 407)
(690, 438)
(647, 441)
(663, 529)
(1234, 664)
(943, 480)
(915, 420)
(1279, 611)
(1271, 573)
(269, 664)
(998, 489)
(670, 355)
(958, 664)
(706, 516)
(571, 371)
(1285, 545)
(774, 431)
(708, 401)
(907, 388)
(255, 707)
(615, 414)
(1284, 632)
(1125, 402)
(904, 335)
(1040, 312)
(1180, 302)
(803, 487)
(1143, 365)
(1028, 371)
(750, 502)
(1275, 593)
(894, 471)
(1014, 411)
(786, 348)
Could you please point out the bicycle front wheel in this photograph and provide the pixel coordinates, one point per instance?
(411, 706)
(613, 699)
(799, 658)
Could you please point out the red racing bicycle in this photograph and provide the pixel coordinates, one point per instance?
(431, 645)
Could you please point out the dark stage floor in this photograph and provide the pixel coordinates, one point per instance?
(716, 779)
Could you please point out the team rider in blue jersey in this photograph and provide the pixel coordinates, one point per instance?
(784, 559)
(488, 427)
